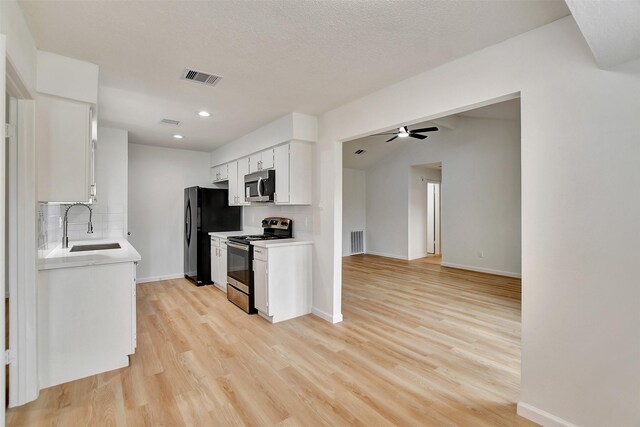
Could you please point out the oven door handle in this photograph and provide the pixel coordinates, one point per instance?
(237, 246)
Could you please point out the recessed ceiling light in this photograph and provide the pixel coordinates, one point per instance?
(204, 113)
(176, 136)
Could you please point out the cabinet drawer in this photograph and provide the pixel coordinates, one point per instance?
(215, 242)
(260, 253)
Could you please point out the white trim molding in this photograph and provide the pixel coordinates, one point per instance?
(541, 417)
(336, 318)
(404, 257)
(482, 270)
(159, 278)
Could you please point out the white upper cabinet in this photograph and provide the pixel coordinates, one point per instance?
(236, 172)
(293, 165)
(243, 169)
(66, 128)
(267, 161)
(65, 140)
(220, 173)
(254, 162)
(283, 178)
(261, 161)
(232, 168)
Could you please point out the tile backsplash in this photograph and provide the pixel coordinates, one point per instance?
(302, 217)
(108, 222)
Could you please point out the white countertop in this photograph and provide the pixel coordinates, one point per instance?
(280, 242)
(225, 234)
(63, 258)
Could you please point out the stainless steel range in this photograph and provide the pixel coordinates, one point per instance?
(240, 260)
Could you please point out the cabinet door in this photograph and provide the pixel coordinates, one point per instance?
(63, 138)
(224, 172)
(281, 165)
(243, 169)
(134, 304)
(233, 183)
(214, 174)
(223, 263)
(266, 162)
(261, 286)
(214, 264)
(254, 162)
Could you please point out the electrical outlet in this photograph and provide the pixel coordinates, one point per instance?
(480, 254)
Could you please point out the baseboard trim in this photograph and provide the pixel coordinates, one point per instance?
(403, 257)
(481, 270)
(158, 278)
(541, 417)
(326, 316)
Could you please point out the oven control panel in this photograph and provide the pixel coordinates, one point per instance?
(275, 222)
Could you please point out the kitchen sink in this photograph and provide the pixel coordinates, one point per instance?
(96, 247)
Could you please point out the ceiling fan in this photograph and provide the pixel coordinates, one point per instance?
(404, 132)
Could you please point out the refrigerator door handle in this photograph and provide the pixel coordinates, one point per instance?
(187, 224)
(198, 218)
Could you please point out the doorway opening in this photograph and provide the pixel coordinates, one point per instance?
(443, 242)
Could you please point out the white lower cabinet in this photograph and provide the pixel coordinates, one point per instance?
(86, 321)
(222, 276)
(282, 278)
(219, 262)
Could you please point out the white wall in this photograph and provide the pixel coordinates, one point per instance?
(580, 317)
(480, 197)
(112, 177)
(157, 179)
(417, 209)
(354, 206)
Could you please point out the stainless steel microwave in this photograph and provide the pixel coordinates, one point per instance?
(260, 186)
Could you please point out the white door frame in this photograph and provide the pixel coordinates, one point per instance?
(438, 213)
(22, 241)
(3, 95)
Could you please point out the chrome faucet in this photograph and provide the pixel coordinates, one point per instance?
(65, 224)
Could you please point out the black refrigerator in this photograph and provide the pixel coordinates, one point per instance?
(205, 210)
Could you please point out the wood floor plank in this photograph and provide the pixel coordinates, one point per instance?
(419, 345)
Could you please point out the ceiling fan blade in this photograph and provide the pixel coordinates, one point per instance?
(417, 135)
(385, 133)
(389, 140)
(431, 129)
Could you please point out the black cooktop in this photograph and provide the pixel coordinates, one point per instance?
(274, 228)
(254, 237)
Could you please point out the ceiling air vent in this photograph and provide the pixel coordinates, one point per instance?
(360, 151)
(200, 77)
(170, 122)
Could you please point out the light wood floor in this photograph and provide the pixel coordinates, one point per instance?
(419, 345)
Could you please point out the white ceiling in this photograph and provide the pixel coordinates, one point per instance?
(611, 28)
(275, 56)
(377, 149)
